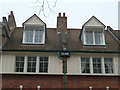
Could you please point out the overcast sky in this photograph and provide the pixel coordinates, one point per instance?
(77, 11)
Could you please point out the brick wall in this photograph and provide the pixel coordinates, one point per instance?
(94, 81)
(56, 81)
(31, 81)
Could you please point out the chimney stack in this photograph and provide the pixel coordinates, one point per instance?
(6, 25)
(62, 23)
(62, 29)
(11, 21)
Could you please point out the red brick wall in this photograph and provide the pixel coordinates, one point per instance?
(31, 81)
(56, 81)
(94, 81)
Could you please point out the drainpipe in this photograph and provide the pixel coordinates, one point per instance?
(63, 57)
(65, 71)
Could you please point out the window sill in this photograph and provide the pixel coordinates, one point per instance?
(95, 45)
(33, 43)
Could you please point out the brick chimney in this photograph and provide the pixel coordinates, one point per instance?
(5, 23)
(11, 21)
(61, 23)
(62, 30)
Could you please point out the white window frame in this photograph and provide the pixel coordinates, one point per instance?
(33, 41)
(102, 42)
(97, 63)
(110, 67)
(43, 62)
(85, 63)
(19, 63)
(102, 59)
(31, 67)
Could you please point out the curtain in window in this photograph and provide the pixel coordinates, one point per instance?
(97, 65)
(108, 65)
(29, 36)
(38, 36)
(85, 66)
(98, 37)
(89, 37)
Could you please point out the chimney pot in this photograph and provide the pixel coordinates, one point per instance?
(63, 14)
(11, 12)
(59, 14)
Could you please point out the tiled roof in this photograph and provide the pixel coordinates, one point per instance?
(53, 41)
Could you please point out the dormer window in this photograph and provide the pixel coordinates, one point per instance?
(32, 36)
(94, 38)
(93, 32)
(34, 31)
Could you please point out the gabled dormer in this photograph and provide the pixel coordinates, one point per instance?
(34, 31)
(93, 32)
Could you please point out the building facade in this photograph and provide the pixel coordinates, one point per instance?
(40, 58)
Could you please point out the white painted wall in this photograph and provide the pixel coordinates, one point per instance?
(54, 64)
(8, 63)
(73, 64)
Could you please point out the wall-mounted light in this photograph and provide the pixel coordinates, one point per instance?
(90, 87)
(107, 88)
(21, 87)
(38, 87)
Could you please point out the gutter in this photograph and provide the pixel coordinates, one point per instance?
(70, 51)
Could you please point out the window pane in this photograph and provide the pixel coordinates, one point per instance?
(38, 36)
(29, 36)
(89, 37)
(108, 65)
(97, 65)
(31, 65)
(19, 64)
(43, 62)
(85, 65)
(98, 37)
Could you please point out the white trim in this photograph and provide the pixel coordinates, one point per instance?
(91, 65)
(102, 42)
(33, 41)
(25, 64)
(94, 38)
(37, 64)
(103, 65)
